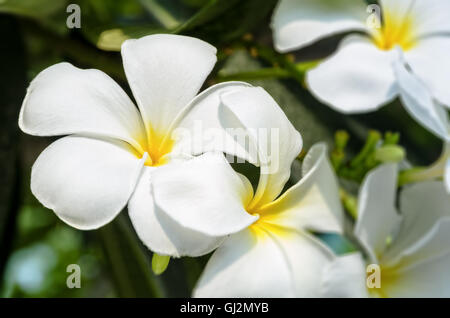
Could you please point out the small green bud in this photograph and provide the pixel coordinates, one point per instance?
(390, 153)
(160, 263)
(341, 139)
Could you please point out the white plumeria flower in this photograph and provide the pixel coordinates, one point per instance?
(276, 255)
(411, 248)
(430, 113)
(112, 147)
(360, 76)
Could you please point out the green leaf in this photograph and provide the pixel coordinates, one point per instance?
(129, 260)
(210, 11)
(13, 87)
(160, 263)
(35, 8)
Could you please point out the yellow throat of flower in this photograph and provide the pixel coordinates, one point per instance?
(396, 30)
(158, 146)
(268, 223)
(388, 278)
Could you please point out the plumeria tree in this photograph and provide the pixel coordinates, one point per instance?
(209, 148)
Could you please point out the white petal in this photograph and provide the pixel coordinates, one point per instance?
(421, 236)
(358, 78)
(87, 182)
(377, 216)
(247, 265)
(420, 103)
(158, 231)
(345, 277)
(427, 279)
(165, 72)
(299, 23)
(398, 8)
(270, 133)
(429, 60)
(430, 17)
(199, 130)
(308, 258)
(64, 100)
(313, 203)
(203, 194)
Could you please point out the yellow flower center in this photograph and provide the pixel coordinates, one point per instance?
(396, 30)
(388, 277)
(268, 222)
(157, 145)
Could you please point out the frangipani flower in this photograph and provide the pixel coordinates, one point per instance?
(275, 256)
(360, 77)
(89, 176)
(411, 248)
(431, 114)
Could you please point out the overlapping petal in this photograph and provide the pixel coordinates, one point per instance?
(270, 134)
(158, 231)
(345, 276)
(308, 258)
(313, 203)
(86, 181)
(64, 99)
(430, 17)
(429, 60)
(203, 194)
(299, 23)
(427, 279)
(247, 265)
(419, 102)
(422, 235)
(165, 72)
(358, 78)
(198, 129)
(377, 215)
(259, 263)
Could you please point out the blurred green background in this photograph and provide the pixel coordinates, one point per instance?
(35, 246)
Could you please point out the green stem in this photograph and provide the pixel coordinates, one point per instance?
(111, 246)
(264, 73)
(284, 62)
(418, 174)
(372, 140)
(161, 14)
(350, 203)
(143, 262)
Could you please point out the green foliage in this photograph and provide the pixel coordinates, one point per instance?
(38, 9)
(375, 151)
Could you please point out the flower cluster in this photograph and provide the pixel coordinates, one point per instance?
(168, 159)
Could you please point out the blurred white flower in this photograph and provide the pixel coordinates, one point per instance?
(112, 147)
(419, 102)
(411, 247)
(275, 256)
(360, 76)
